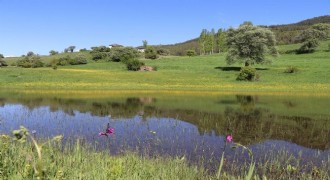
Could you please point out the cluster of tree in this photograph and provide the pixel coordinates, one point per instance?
(30, 61)
(287, 34)
(127, 55)
(68, 60)
(210, 41)
(310, 38)
(151, 52)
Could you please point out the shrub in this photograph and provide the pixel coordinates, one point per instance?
(134, 65)
(123, 54)
(191, 53)
(99, 55)
(150, 53)
(63, 61)
(308, 46)
(3, 63)
(30, 61)
(163, 52)
(247, 73)
(291, 69)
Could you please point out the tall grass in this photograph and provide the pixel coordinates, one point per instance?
(18, 161)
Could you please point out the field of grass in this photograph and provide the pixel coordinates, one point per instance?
(201, 74)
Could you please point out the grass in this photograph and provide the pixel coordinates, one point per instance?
(19, 160)
(199, 74)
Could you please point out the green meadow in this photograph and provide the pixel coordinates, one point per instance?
(199, 74)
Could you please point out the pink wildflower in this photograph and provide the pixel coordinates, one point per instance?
(229, 138)
(109, 130)
(103, 134)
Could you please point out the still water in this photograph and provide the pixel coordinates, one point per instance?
(193, 127)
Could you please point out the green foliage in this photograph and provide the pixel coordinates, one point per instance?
(191, 53)
(220, 40)
(150, 53)
(291, 69)
(30, 62)
(83, 50)
(163, 52)
(100, 49)
(247, 73)
(123, 54)
(68, 60)
(52, 52)
(207, 41)
(1, 56)
(250, 44)
(30, 53)
(71, 48)
(99, 55)
(134, 65)
(308, 46)
(3, 63)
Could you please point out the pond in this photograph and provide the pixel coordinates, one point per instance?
(189, 126)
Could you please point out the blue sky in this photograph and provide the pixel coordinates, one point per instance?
(44, 25)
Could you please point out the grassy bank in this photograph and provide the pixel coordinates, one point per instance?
(183, 74)
(21, 161)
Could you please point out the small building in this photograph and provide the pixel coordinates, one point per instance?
(115, 45)
(141, 49)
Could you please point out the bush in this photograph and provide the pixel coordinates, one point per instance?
(63, 61)
(30, 61)
(3, 63)
(191, 53)
(99, 55)
(247, 73)
(163, 52)
(308, 47)
(150, 53)
(134, 65)
(123, 54)
(291, 69)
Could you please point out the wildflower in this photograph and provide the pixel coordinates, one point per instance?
(103, 134)
(109, 130)
(229, 138)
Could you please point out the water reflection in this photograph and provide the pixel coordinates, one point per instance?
(159, 126)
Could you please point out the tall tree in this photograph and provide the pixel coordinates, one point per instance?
(250, 44)
(145, 44)
(202, 41)
(220, 40)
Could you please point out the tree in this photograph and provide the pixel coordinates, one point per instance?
(30, 53)
(311, 37)
(145, 44)
(52, 52)
(250, 44)
(150, 53)
(220, 40)
(191, 52)
(1, 56)
(202, 41)
(71, 48)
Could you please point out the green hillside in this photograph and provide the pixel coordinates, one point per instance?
(285, 34)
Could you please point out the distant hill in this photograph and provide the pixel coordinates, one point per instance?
(285, 34)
